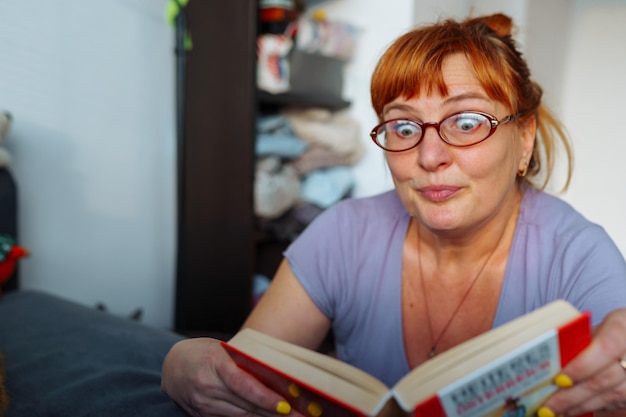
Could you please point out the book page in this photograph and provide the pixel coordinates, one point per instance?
(327, 363)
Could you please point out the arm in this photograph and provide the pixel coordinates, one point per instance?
(202, 378)
(286, 311)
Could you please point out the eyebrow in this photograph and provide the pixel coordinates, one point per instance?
(446, 101)
(397, 106)
(467, 96)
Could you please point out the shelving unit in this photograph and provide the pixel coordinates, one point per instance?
(300, 100)
(218, 243)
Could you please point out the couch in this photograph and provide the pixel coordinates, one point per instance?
(68, 360)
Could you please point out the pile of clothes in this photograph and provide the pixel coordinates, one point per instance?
(304, 160)
(333, 41)
(304, 156)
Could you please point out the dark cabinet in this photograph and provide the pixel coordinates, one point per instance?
(216, 169)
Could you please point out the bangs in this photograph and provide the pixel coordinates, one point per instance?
(413, 65)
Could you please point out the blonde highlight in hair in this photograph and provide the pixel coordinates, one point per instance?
(412, 65)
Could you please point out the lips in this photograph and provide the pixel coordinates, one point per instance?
(438, 193)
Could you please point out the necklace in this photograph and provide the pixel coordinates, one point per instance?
(433, 348)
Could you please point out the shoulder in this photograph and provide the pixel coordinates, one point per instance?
(353, 225)
(387, 202)
(558, 253)
(385, 208)
(551, 231)
(549, 215)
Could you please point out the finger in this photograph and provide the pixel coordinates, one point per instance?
(610, 400)
(607, 347)
(599, 391)
(230, 408)
(250, 393)
(234, 405)
(603, 388)
(219, 402)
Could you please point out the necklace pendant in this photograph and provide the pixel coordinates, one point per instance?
(432, 353)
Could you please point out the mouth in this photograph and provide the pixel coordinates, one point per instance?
(438, 193)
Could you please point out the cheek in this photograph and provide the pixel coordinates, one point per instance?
(484, 165)
(493, 170)
(498, 154)
(491, 164)
(402, 165)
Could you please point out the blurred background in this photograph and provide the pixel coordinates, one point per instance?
(93, 141)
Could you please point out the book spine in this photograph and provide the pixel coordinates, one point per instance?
(574, 337)
(302, 397)
(514, 384)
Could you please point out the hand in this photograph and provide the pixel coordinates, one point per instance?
(200, 376)
(599, 381)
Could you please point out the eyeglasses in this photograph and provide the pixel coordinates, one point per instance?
(461, 129)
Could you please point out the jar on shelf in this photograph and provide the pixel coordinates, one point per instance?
(276, 15)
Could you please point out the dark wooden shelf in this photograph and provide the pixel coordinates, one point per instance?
(298, 99)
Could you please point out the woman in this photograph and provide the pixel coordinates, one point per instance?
(462, 244)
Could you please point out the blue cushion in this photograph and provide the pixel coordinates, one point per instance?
(64, 359)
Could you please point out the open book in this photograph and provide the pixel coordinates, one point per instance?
(507, 371)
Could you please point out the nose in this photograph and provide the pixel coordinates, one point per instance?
(433, 152)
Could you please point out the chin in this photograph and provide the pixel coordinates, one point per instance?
(442, 223)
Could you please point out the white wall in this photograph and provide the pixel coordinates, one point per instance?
(594, 106)
(90, 86)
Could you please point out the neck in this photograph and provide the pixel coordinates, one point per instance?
(456, 276)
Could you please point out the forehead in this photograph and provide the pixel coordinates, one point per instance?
(458, 74)
(462, 86)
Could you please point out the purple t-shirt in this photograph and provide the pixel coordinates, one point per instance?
(349, 261)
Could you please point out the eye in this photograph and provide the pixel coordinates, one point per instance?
(466, 123)
(405, 129)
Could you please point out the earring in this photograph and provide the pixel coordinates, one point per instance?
(522, 171)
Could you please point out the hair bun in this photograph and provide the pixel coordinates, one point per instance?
(500, 23)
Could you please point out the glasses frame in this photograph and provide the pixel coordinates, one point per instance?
(437, 125)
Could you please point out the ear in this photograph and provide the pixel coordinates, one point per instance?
(528, 135)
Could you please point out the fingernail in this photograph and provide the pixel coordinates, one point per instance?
(283, 408)
(293, 390)
(314, 409)
(545, 412)
(563, 381)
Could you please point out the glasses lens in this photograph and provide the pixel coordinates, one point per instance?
(398, 135)
(465, 128)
